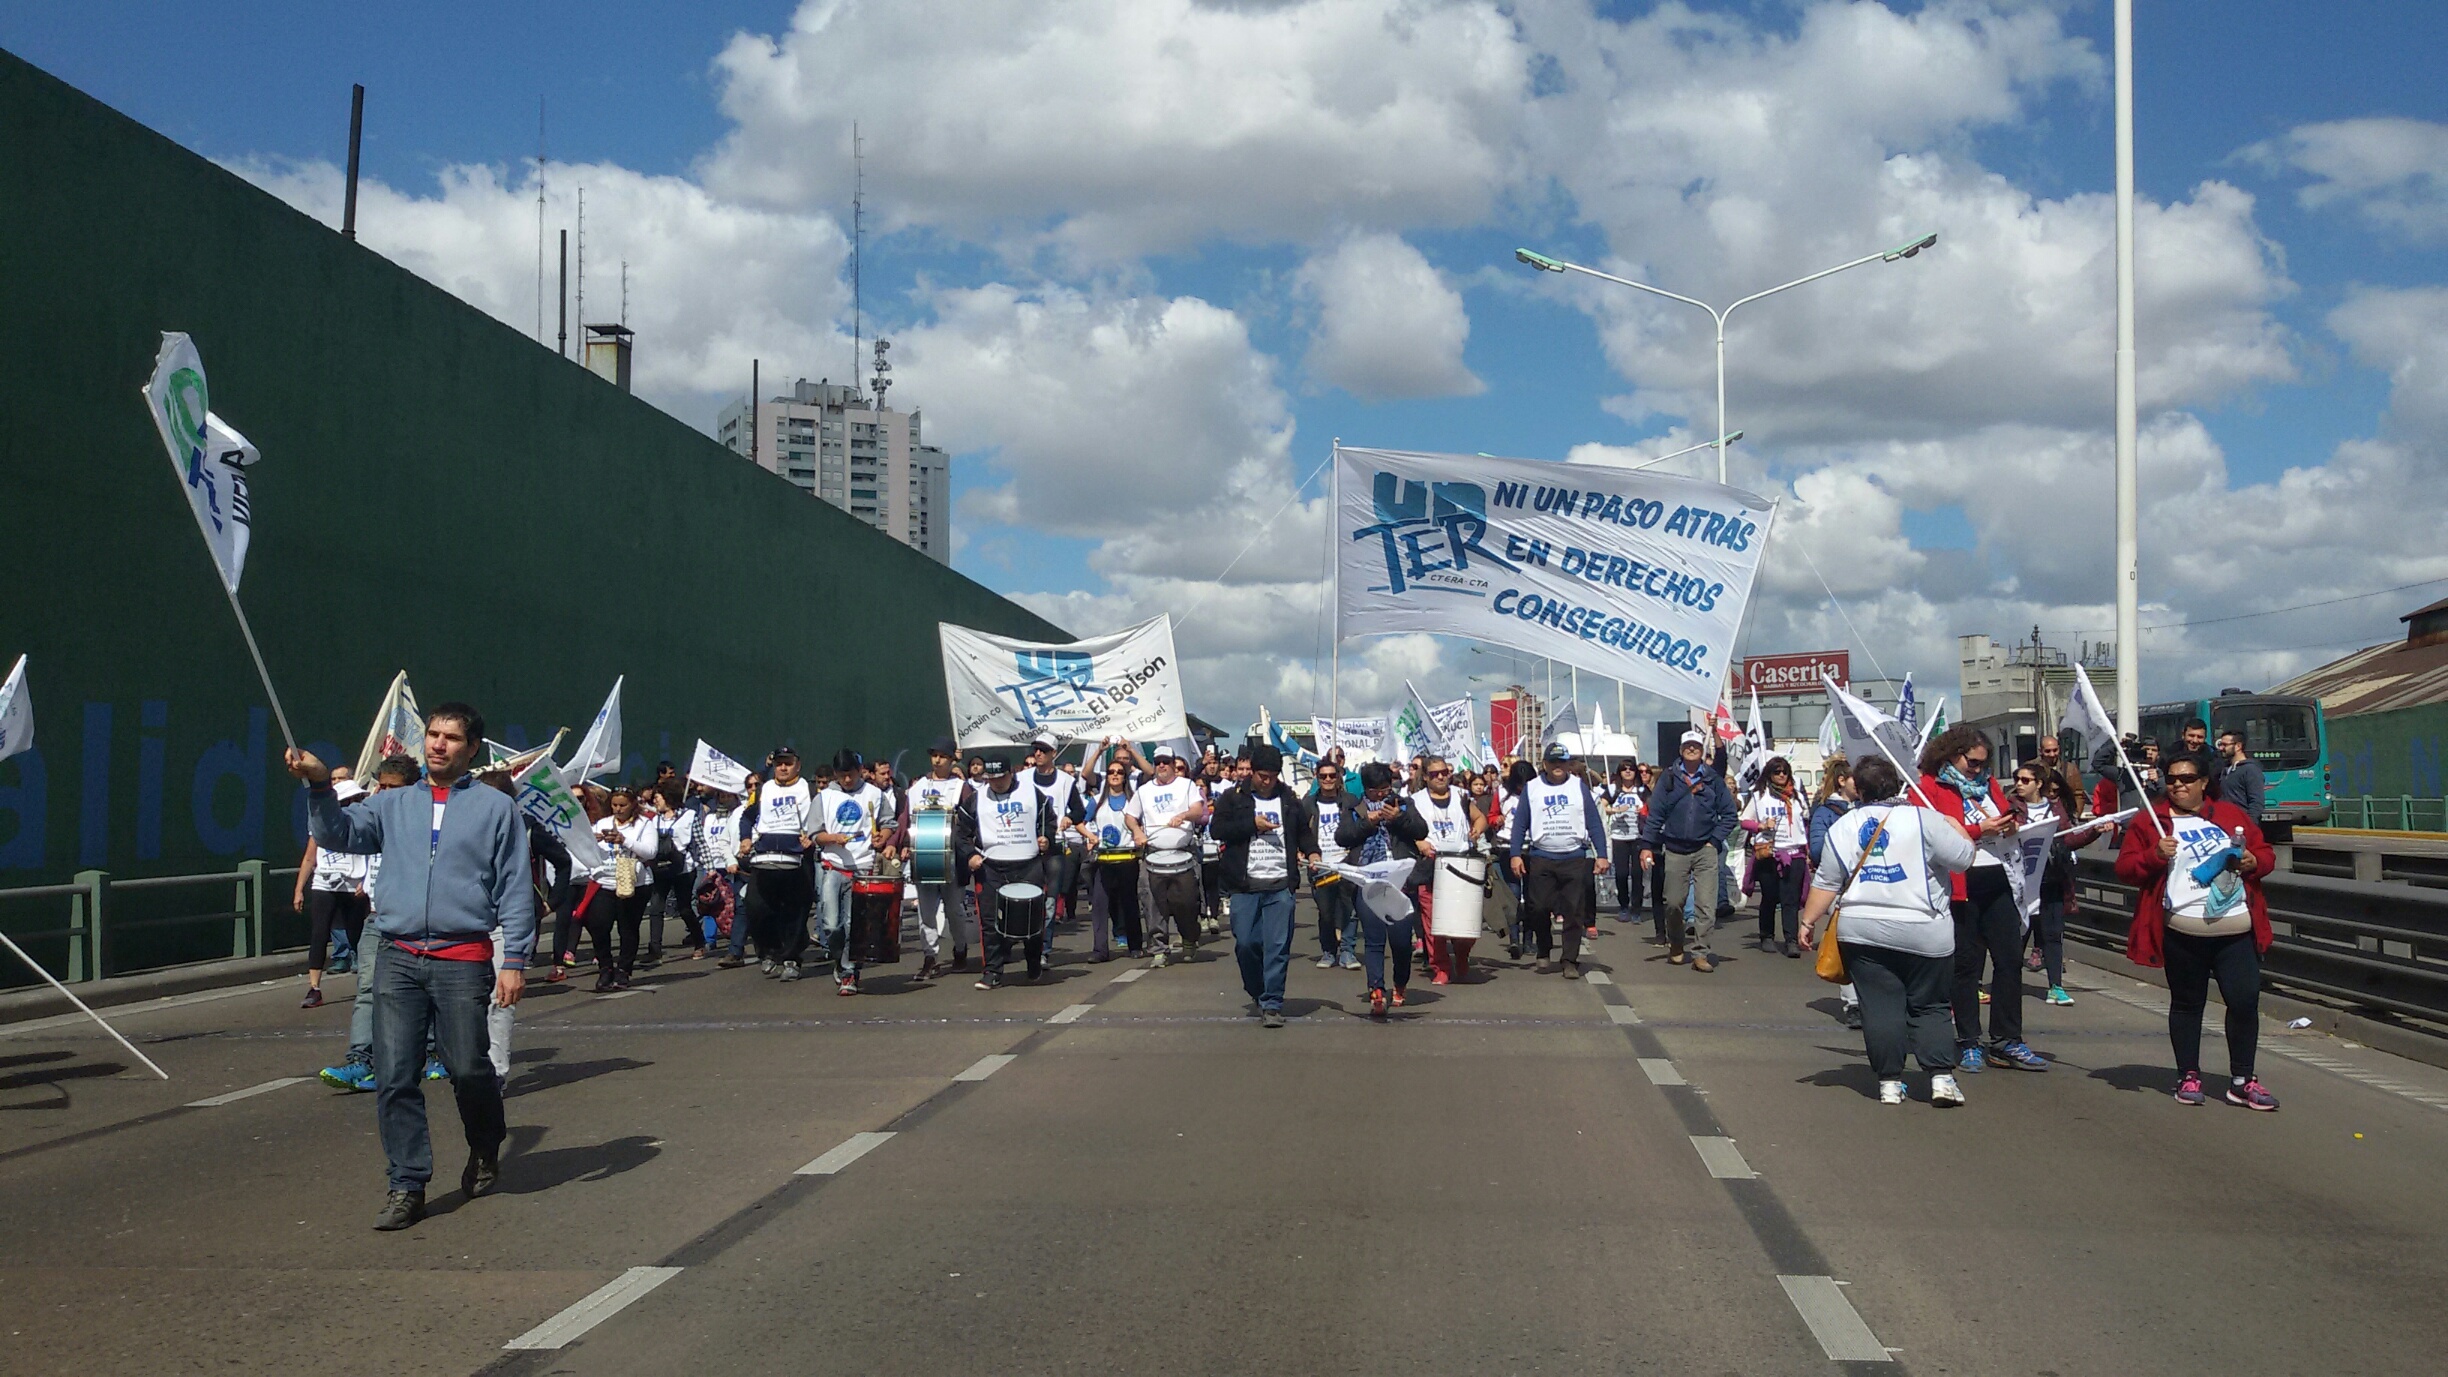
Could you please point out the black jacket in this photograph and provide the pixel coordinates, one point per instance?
(1234, 824)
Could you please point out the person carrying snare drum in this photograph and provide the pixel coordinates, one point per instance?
(1011, 828)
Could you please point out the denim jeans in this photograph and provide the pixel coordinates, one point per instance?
(1262, 942)
(1381, 936)
(1338, 918)
(451, 999)
(833, 902)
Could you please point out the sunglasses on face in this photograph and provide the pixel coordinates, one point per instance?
(2174, 780)
(1440, 774)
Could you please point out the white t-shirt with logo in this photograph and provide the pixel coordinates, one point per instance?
(1269, 852)
(2197, 840)
(783, 809)
(1007, 823)
(1329, 818)
(1155, 805)
(1448, 823)
(1785, 824)
(1623, 817)
(1896, 896)
(1105, 819)
(929, 792)
(853, 813)
(1559, 814)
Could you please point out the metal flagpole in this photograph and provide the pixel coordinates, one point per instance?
(1334, 689)
(2128, 499)
(266, 675)
(80, 1004)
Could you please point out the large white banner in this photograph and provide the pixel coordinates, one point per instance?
(1005, 692)
(1639, 576)
(16, 713)
(210, 456)
(1363, 739)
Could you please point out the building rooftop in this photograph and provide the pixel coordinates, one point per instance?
(2406, 673)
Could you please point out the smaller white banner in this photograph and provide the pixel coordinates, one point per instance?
(16, 713)
(1006, 692)
(717, 771)
(542, 794)
(599, 751)
(210, 457)
(1362, 738)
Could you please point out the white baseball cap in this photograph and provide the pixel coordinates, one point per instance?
(1694, 738)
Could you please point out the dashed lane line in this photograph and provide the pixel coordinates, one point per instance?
(237, 1095)
(606, 1302)
(1660, 1071)
(987, 1066)
(1072, 1014)
(1130, 975)
(1833, 1321)
(849, 1150)
(1598, 978)
(1723, 1160)
(1622, 1013)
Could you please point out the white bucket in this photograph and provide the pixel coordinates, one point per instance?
(1455, 898)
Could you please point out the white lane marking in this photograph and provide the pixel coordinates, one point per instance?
(1622, 1013)
(242, 1094)
(1661, 1071)
(986, 1066)
(849, 1150)
(619, 994)
(1072, 1014)
(607, 1301)
(1723, 1160)
(1598, 977)
(1130, 975)
(1833, 1321)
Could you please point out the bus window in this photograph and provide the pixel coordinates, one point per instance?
(2164, 724)
(2277, 733)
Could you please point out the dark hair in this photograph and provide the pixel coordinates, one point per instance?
(1376, 775)
(469, 720)
(669, 793)
(2193, 722)
(1833, 772)
(1946, 745)
(1521, 774)
(1877, 780)
(403, 766)
(1776, 763)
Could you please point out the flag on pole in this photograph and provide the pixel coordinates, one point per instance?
(1563, 724)
(211, 457)
(399, 729)
(599, 751)
(1408, 728)
(717, 771)
(1908, 709)
(1869, 733)
(1721, 722)
(1758, 750)
(16, 713)
(544, 794)
(1831, 734)
(2086, 716)
(1937, 721)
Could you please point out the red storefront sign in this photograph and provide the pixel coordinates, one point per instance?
(1504, 724)
(1774, 674)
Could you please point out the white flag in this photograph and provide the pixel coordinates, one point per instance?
(1563, 724)
(1758, 750)
(16, 713)
(599, 751)
(1004, 692)
(717, 771)
(1457, 722)
(545, 795)
(1866, 730)
(2085, 716)
(211, 457)
(1362, 739)
(1831, 734)
(1639, 576)
(399, 729)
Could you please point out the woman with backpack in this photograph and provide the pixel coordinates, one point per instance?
(1887, 870)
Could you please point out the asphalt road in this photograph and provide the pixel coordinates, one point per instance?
(1522, 1174)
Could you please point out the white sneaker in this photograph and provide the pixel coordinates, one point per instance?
(1892, 1092)
(1326, 962)
(1159, 963)
(1944, 1091)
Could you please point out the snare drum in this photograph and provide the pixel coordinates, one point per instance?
(1020, 912)
(875, 921)
(931, 847)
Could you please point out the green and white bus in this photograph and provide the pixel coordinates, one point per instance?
(2285, 733)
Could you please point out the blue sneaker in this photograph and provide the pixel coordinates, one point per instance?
(434, 1070)
(1971, 1061)
(349, 1075)
(2018, 1054)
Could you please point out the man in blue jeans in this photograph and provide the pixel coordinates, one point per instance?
(1265, 831)
(439, 905)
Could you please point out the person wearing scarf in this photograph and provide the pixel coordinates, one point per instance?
(1955, 779)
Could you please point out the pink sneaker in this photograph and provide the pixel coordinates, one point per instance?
(2251, 1096)
(2189, 1090)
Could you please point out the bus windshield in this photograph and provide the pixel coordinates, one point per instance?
(2278, 733)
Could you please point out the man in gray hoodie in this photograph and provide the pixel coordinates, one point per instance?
(440, 904)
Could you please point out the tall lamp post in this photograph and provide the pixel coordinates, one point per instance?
(1558, 265)
(2128, 500)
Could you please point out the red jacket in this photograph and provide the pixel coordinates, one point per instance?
(2140, 864)
(1947, 801)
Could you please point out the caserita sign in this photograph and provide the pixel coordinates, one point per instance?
(1799, 673)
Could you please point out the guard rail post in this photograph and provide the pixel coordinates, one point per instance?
(85, 950)
(248, 940)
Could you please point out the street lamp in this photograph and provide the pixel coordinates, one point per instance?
(1558, 265)
(1704, 444)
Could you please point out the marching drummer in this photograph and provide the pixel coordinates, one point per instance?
(1555, 828)
(1061, 790)
(1012, 827)
(1116, 856)
(1164, 816)
(1453, 825)
(940, 906)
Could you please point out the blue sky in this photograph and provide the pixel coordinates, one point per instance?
(1063, 265)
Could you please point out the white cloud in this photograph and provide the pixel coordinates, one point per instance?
(711, 285)
(2393, 172)
(1118, 127)
(1388, 326)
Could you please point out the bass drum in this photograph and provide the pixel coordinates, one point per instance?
(931, 847)
(875, 921)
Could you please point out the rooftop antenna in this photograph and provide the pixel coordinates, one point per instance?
(858, 207)
(348, 208)
(624, 315)
(582, 272)
(883, 368)
(539, 219)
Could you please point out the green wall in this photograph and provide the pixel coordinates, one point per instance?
(2391, 754)
(437, 494)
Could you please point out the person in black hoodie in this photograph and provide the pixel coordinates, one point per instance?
(1382, 827)
(1266, 831)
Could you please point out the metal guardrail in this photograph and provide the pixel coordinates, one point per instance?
(115, 927)
(2402, 813)
(2382, 946)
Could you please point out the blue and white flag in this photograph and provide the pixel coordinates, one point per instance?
(1639, 576)
(16, 713)
(1908, 709)
(1006, 692)
(211, 457)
